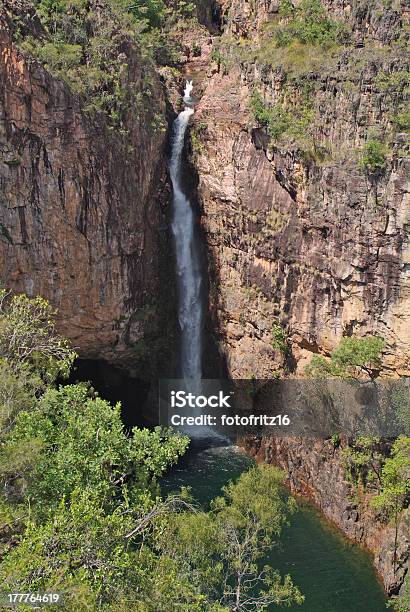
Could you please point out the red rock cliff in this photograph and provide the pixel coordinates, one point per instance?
(83, 210)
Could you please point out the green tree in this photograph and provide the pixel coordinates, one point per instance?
(282, 120)
(29, 341)
(84, 553)
(80, 506)
(363, 460)
(17, 392)
(32, 354)
(80, 485)
(222, 551)
(352, 356)
(395, 486)
(401, 603)
(84, 446)
(307, 23)
(79, 551)
(191, 541)
(279, 339)
(374, 156)
(153, 11)
(251, 516)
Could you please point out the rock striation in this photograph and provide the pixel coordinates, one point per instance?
(307, 239)
(83, 212)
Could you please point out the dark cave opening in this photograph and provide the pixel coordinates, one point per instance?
(114, 384)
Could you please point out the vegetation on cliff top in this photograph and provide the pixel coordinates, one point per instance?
(312, 64)
(308, 23)
(80, 506)
(88, 45)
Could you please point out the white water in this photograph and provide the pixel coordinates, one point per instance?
(189, 278)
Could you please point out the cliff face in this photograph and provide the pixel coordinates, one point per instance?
(301, 235)
(315, 470)
(83, 212)
(305, 236)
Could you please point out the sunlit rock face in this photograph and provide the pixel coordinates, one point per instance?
(83, 212)
(313, 243)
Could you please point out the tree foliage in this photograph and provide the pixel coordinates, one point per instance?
(281, 120)
(363, 460)
(89, 43)
(81, 483)
(221, 551)
(28, 337)
(84, 445)
(394, 492)
(395, 478)
(401, 602)
(308, 23)
(279, 339)
(249, 522)
(352, 356)
(32, 353)
(374, 156)
(80, 505)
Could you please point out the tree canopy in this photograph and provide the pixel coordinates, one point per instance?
(81, 511)
(353, 355)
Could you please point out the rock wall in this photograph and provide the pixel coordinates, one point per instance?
(83, 213)
(314, 244)
(314, 469)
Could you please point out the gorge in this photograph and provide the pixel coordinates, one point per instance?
(306, 238)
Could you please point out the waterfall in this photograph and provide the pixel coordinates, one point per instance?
(188, 270)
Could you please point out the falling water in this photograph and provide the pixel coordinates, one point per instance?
(188, 269)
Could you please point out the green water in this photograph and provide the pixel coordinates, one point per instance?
(333, 574)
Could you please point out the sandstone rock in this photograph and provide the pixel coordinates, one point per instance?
(321, 242)
(83, 216)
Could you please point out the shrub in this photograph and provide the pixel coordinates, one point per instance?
(196, 49)
(335, 440)
(59, 55)
(302, 39)
(351, 356)
(85, 43)
(280, 120)
(396, 81)
(279, 339)
(13, 163)
(374, 156)
(358, 352)
(152, 11)
(308, 23)
(29, 341)
(402, 121)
